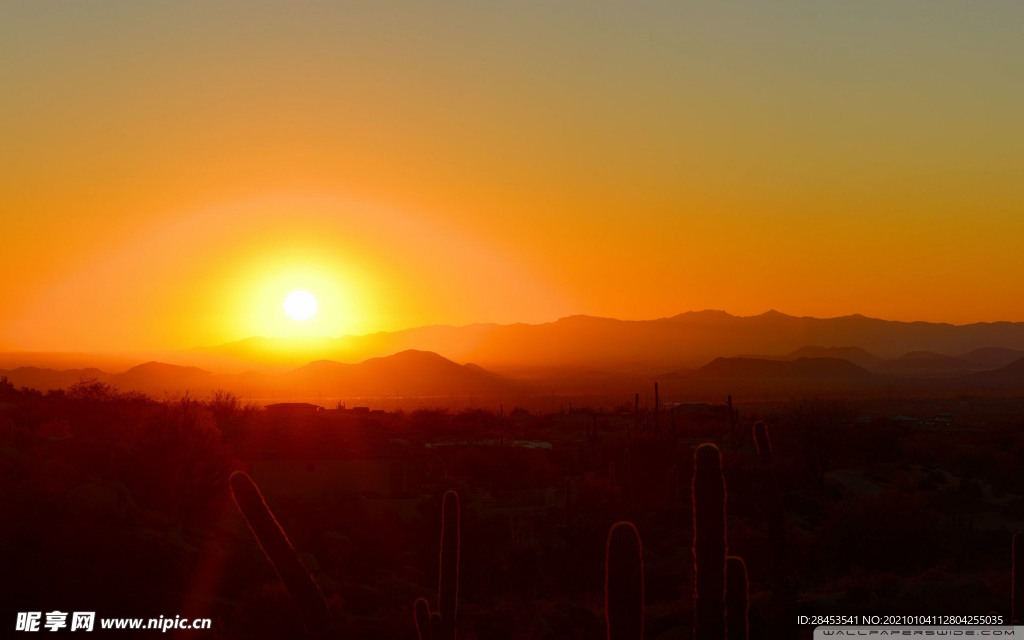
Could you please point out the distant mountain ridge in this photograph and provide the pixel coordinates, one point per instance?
(798, 369)
(687, 340)
(856, 355)
(912, 363)
(927, 361)
(585, 355)
(412, 373)
(45, 378)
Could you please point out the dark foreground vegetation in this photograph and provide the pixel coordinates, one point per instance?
(123, 505)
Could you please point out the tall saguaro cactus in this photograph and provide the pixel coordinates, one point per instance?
(709, 544)
(281, 554)
(624, 583)
(441, 623)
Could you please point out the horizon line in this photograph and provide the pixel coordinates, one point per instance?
(770, 312)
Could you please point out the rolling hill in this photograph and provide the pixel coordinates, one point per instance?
(408, 373)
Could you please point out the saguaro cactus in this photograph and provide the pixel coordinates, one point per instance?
(624, 583)
(721, 591)
(736, 598)
(763, 443)
(441, 623)
(281, 554)
(657, 403)
(709, 544)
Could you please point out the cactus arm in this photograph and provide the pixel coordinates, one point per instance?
(624, 583)
(421, 615)
(448, 581)
(281, 554)
(709, 545)
(736, 599)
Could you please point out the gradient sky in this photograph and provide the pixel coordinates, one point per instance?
(169, 170)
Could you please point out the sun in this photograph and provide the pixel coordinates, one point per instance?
(300, 305)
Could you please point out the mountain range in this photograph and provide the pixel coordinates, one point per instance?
(687, 340)
(586, 355)
(409, 373)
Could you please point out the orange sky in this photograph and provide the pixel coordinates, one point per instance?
(170, 170)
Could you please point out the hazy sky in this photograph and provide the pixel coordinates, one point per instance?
(169, 171)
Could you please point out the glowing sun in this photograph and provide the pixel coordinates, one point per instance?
(300, 305)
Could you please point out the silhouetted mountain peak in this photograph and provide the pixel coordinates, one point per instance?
(417, 356)
(772, 314)
(411, 372)
(704, 314)
(162, 368)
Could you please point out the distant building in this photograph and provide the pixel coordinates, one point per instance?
(292, 409)
(358, 412)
